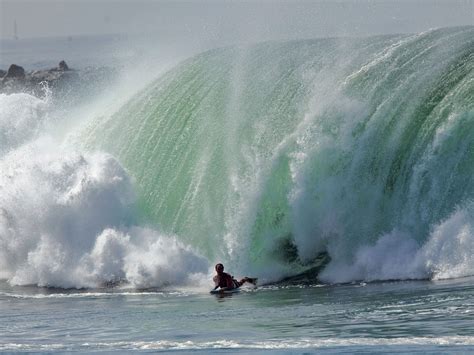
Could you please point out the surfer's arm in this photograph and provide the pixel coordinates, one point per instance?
(216, 282)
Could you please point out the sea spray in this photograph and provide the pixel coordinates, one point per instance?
(397, 255)
(268, 155)
(67, 218)
(22, 117)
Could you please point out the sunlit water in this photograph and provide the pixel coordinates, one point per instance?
(382, 317)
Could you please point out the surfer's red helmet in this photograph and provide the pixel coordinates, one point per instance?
(219, 267)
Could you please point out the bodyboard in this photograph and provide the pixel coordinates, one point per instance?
(226, 292)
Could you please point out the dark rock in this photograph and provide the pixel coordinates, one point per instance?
(50, 75)
(63, 66)
(66, 86)
(2, 73)
(15, 71)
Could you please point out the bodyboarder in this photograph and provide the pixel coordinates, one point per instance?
(225, 282)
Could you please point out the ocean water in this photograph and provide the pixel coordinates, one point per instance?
(349, 161)
(406, 317)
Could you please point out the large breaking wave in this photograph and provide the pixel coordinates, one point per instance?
(263, 157)
(270, 154)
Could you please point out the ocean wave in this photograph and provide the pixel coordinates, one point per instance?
(270, 154)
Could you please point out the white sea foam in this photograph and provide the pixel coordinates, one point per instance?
(88, 294)
(277, 344)
(21, 118)
(67, 220)
(446, 254)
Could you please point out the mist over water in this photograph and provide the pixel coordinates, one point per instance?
(260, 156)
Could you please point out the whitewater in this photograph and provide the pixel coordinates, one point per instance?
(347, 160)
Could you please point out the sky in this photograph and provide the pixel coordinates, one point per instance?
(229, 21)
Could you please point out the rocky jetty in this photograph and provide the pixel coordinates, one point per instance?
(15, 72)
(63, 83)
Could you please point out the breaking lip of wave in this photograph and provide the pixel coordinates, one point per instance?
(277, 344)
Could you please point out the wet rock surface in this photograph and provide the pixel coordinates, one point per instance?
(64, 84)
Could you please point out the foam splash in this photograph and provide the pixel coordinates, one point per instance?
(446, 254)
(66, 220)
(21, 118)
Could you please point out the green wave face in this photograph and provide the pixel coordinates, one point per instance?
(267, 155)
